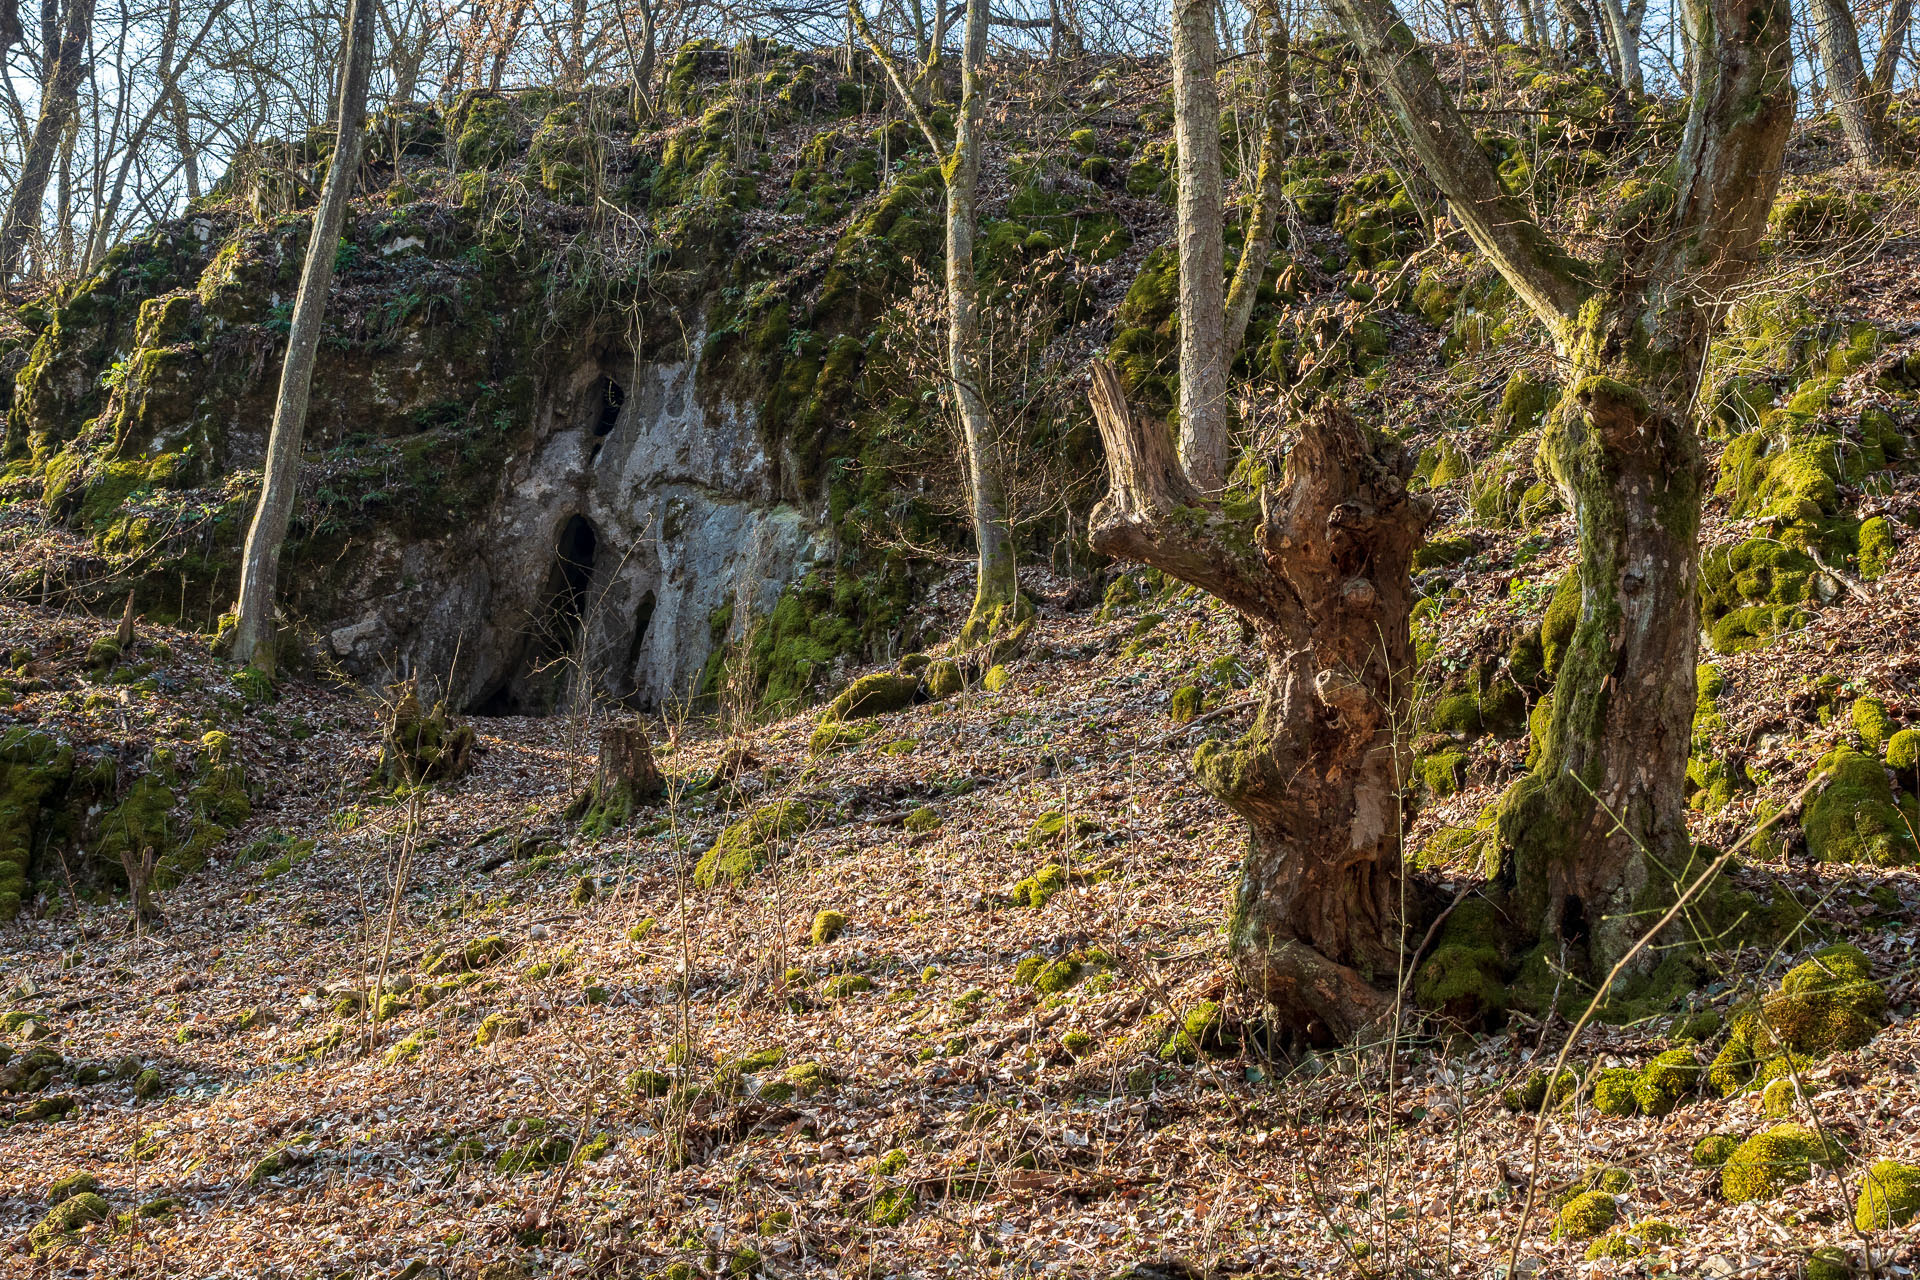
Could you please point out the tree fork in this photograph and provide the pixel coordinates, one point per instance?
(1323, 576)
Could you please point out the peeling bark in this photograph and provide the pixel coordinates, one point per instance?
(1323, 577)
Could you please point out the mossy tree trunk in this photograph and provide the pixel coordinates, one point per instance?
(1321, 570)
(1257, 244)
(1592, 834)
(1598, 832)
(254, 628)
(59, 99)
(1205, 449)
(996, 600)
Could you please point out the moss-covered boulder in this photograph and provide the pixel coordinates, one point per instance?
(1889, 1196)
(1614, 1091)
(1635, 1241)
(1667, 1081)
(1586, 1216)
(827, 926)
(743, 847)
(1766, 1164)
(1852, 817)
(1825, 1005)
(65, 1219)
(873, 695)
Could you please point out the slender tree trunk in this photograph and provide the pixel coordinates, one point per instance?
(997, 601)
(1324, 580)
(254, 629)
(1257, 244)
(996, 588)
(1893, 41)
(1626, 46)
(1205, 449)
(1853, 97)
(59, 97)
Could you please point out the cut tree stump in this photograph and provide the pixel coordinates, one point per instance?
(625, 779)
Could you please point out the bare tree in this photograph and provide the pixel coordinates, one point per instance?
(59, 98)
(254, 630)
(996, 599)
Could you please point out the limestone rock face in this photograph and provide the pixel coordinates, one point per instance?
(644, 511)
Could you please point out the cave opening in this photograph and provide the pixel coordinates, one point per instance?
(642, 620)
(612, 397)
(536, 679)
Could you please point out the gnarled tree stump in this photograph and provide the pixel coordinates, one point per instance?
(1319, 566)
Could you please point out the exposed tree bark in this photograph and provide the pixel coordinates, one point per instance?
(254, 630)
(1205, 447)
(1589, 835)
(625, 778)
(59, 96)
(997, 601)
(1257, 243)
(11, 32)
(1854, 100)
(1323, 577)
(1893, 42)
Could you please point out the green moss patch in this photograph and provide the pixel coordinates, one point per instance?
(1766, 1164)
(743, 847)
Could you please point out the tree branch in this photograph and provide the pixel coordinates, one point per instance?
(1551, 281)
(887, 64)
(1154, 516)
(1729, 164)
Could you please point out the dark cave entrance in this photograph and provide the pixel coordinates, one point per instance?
(538, 677)
(613, 397)
(642, 620)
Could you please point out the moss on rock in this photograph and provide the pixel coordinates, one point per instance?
(1586, 1216)
(742, 848)
(1889, 1196)
(827, 926)
(66, 1218)
(1667, 1081)
(873, 695)
(1766, 1164)
(1853, 817)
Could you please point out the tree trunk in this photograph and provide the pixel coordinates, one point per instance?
(1205, 450)
(1893, 41)
(1625, 44)
(59, 96)
(254, 628)
(1585, 837)
(1257, 243)
(996, 588)
(1853, 98)
(1324, 579)
(183, 142)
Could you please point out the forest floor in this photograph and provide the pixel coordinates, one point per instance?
(890, 1102)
